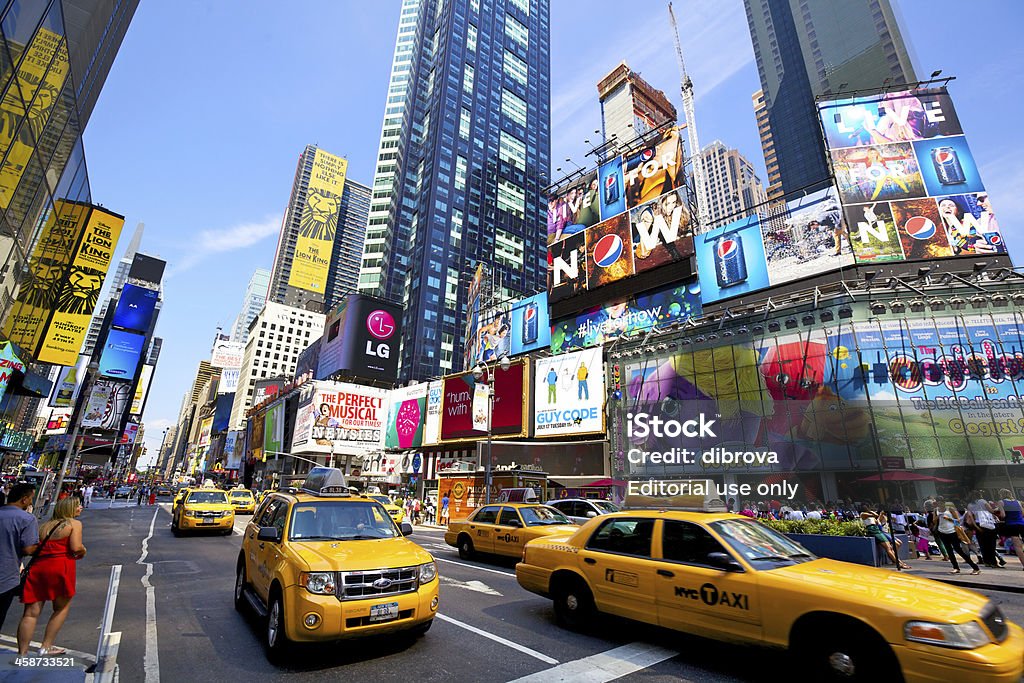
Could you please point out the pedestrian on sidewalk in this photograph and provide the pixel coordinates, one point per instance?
(981, 518)
(87, 500)
(52, 576)
(19, 536)
(444, 510)
(1011, 521)
(948, 522)
(142, 494)
(152, 495)
(873, 522)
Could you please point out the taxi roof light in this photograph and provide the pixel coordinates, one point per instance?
(326, 482)
(686, 495)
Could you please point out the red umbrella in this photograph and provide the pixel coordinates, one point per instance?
(898, 475)
(607, 482)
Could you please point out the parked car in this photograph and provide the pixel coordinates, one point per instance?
(580, 510)
(123, 492)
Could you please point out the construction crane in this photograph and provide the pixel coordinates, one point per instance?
(686, 89)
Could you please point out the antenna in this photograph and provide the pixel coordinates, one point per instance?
(686, 89)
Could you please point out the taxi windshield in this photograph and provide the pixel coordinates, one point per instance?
(340, 521)
(605, 506)
(762, 547)
(542, 515)
(240, 494)
(383, 500)
(207, 497)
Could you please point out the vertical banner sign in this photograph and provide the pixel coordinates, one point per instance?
(472, 347)
(319, 223)
(141, 389)
(204, 432)
(80, 291)
(480, 412)
(47, 267)
(432, 427)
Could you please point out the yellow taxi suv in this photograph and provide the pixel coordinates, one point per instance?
(179, 496)
(397, 512)
(323, 564)
(203, 510)
(731, 578)
(505, 528)
(242, 501)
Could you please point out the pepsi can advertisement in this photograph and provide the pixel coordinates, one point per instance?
(611, 190)
(730, 265)
(948, 169)
(530, 326)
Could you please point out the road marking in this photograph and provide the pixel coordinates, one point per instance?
(476, 586)
(91, 658)
(498, 639)
(151, 660)
(604, 666)
(473, 566)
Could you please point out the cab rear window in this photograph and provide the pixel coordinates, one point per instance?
(624, 536)
(207, 497)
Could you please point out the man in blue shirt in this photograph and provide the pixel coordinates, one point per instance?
(19, 536)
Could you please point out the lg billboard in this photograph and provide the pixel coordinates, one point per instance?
(361, 339)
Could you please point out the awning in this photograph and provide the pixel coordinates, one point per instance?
(577, 482)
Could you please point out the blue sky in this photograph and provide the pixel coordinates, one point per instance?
(208, 105)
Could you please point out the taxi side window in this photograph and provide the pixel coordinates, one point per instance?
(279, 515)
(508, 517)
(689, 543)
(487, 515)
(267, 513)
(624, 536)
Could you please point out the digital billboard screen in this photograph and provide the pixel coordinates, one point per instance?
(908, 182)
(510, 400)
(361, 340)
(135, 308)
(569, 394)
(407, 417)
(731, 260)
(531, 327)
(121, 352)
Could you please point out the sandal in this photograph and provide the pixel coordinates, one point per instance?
(955, 571)
(975, 572)
(904, 565)
(52, 650)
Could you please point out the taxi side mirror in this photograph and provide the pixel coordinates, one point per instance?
(591, 514)
(515, 523)
(724, 562)
(269, 533)
(406, 528)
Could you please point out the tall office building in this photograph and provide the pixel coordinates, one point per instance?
(252, 304)
(276, 338)
(731, 183)
(764, 131)
(343, 276)
(120, 277)
(630, 106)
(464, 153)
(806, 48)
(327, 211)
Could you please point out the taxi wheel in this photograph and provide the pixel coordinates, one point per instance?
(574, 604)
(418, 631)
(857, 654)
(274, 635)
(466, 548)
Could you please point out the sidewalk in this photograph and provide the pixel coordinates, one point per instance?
(43, 674)
(1010, 578)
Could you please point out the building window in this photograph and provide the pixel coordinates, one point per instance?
(511, 149)
(523, 5)
(515, 68)
(460, 173)
(516, 31)
(471, 38)
(513, 107)
(467, 82)
(511, 198)
(464, 122)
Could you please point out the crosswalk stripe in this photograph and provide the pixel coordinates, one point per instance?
(604, 666)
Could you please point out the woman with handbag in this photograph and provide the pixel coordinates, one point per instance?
(950, 533)
(50, 575)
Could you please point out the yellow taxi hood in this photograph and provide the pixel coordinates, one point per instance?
(559, 530)
(360, 555)
(209, 507)
(872, 586)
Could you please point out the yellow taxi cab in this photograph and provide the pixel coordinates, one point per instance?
(204, 509)
(242, 501)
(180, 496)
(323, 564)
(503, 528)
(731, 578)
(397, 512)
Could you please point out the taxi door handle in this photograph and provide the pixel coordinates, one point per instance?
(261, 546)
(665, 572)
(589, 560)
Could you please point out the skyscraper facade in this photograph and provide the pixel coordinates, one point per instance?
(731, 183)
(464, 154)
(630, 106)
(764, 131)
(252, 304)
(345, 215)
(806, 48)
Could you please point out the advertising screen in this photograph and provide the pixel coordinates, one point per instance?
(319, 223)
(731, 260)
(141, 390)
(308, 360)
(222, 413)
(79, 291)
(135, 308)
(58, 421)
(264, 389)
(205, 425)
(227, 354)
(273, 429)
(510, 394)
(232, 450)
(803, 237)
(531, 327)
(147, 269)
(361, 340)
(229, 380)
(131, 431)
(106, 404)
(340, 418)
(9, 364)
(641, 222)
(472, 345)
(909, 185)
(120, 356)
(626, 317)
(569, 394)
(407, 417)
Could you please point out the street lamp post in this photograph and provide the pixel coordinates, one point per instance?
(478, 374)
(83, 405)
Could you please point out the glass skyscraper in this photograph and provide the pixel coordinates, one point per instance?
(806, 48)
(464, 153)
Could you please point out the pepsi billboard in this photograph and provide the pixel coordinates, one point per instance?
(135, 308)
(641, 222)
(362, 341)
(120, 356)
(731, 260)
(909, 184)
(531, 326)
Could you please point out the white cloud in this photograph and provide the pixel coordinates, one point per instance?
(212, 242)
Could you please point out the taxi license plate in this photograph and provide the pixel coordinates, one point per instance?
(384, 612)
(208, 520)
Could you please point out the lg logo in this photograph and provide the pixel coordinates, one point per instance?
(381, 325)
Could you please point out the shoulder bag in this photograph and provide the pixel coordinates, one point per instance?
(24, 571)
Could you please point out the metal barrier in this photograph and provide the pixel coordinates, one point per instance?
(106, 650)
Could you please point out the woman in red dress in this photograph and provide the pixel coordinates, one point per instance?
(52, 575)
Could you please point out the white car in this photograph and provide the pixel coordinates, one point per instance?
(579, 510)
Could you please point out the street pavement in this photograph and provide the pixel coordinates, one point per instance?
(488, 628)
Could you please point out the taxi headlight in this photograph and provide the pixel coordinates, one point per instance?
(320, 583)
(965, 636)
(428, 572)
